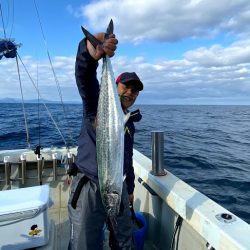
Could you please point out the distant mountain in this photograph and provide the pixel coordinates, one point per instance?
(8, 100)
(16, 100)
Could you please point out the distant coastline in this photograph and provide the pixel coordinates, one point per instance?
(8, 100)
(16, 100)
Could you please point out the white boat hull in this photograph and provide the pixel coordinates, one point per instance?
(161, 199)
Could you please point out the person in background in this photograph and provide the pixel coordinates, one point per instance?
(86, 211)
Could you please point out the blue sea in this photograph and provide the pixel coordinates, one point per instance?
(206, 146)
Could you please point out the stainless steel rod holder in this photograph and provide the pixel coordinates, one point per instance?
(7, 169)
(7, 173)
(23, 174)
(39, 169)
(54, 158)
(158, 153)
(23, 168)
(70, 158)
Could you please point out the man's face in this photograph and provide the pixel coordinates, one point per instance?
(128, 94)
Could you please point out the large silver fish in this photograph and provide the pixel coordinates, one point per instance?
(109, 135)
(110, 141)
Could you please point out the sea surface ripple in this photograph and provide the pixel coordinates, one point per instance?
(206, 146)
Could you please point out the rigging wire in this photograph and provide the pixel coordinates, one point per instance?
(8, 15)
(55, 77)
(38, 92)
(3, 22)
(13, 15)
(36, 87)
(24, 112)
(11, 29)
(18, 71)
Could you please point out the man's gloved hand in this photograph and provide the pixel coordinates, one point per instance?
(108, 47)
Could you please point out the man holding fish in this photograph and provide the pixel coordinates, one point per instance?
(103, 186)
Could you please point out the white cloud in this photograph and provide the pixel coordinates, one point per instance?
(216, 55)
(41, 73)
(205, 74)
(167, 20)
(196, 77)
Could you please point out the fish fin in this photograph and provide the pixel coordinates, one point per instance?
(126, 117)
(110, 29)
(93, 40)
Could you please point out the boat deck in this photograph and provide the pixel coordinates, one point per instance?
(59, 238)
(60, 232)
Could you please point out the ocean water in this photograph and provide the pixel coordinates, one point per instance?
(206, 146)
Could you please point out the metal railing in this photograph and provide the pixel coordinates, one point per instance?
(23, 165)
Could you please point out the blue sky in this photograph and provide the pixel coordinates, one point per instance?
(185, 51)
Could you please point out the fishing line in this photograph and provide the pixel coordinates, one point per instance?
(38, 111)
(55, 77)
(24, 112)
(38, 92)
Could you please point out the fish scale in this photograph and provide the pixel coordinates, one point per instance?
(110, 141)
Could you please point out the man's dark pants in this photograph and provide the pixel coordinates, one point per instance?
(88, 218)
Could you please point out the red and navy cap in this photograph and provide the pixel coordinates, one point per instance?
(131, 78)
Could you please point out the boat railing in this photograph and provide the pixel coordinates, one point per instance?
(15, 166)
(165, 199)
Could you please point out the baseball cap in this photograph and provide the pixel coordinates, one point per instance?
(131, 78)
